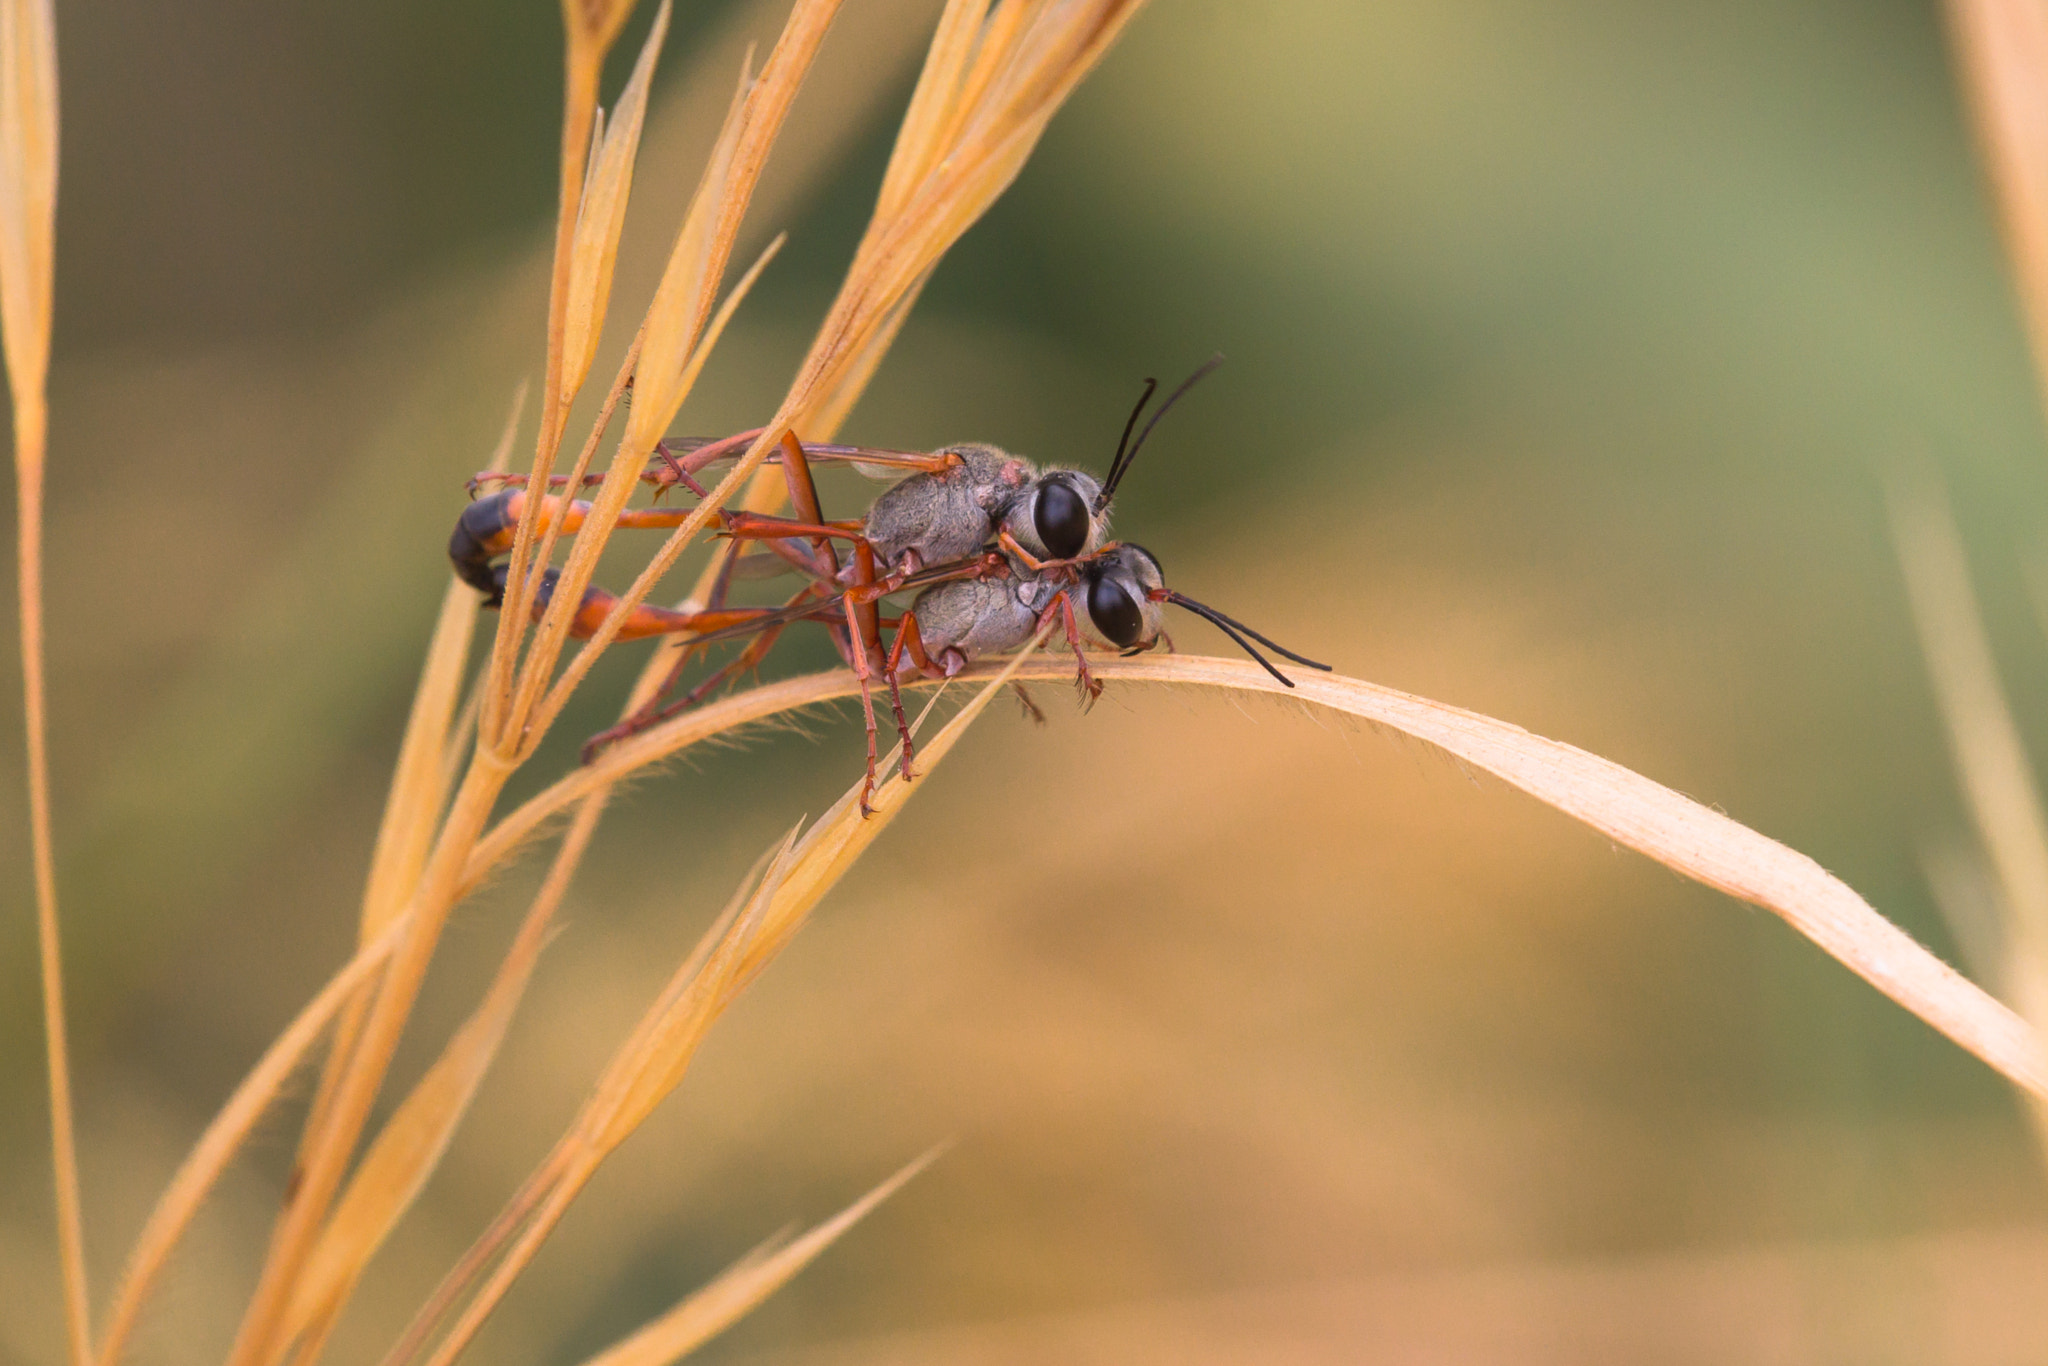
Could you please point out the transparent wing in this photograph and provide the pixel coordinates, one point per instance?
(876, 462)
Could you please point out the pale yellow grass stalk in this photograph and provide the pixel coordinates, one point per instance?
(28, 209)
(1992, 767)
(2002, 55)
(1626, 807)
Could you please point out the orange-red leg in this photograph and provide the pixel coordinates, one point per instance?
(978, 567)
(572, 515)
(1063, 605)
(645, 620)
(760, 526)
(908, 641)
(864, 623)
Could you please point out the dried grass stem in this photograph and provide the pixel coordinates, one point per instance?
(1627, 807)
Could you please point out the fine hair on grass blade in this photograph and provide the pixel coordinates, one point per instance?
(654, 1059)
(28, 212)
(744, 1285)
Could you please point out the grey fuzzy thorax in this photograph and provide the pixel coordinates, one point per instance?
(951, 514)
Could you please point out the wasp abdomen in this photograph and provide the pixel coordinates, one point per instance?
(975, 617)
(483, 532)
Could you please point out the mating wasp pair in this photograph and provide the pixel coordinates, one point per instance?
(995, 549)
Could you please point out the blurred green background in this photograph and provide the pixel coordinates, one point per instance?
(1570, 344)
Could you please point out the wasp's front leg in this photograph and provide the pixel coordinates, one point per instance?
(1061, 608)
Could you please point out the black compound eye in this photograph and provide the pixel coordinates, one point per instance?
(1060, 516)
(1115, 613)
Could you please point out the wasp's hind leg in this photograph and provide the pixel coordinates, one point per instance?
(909, 641)
(643, 621)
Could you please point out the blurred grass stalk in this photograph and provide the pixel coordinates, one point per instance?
(28, 209)
(2002, 55)
(1992, 768)
(2002, 58)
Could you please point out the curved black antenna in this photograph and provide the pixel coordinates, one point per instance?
(1231, 623)
(1124, 458)
(1123, 443)
(1217, 620)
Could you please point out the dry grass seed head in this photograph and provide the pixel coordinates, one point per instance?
(999, 78)
(742, 1287)
(303, 1288)
(601, 215)
(684, 299)
(28, 194)
(653, 1060)
(673, 330)
(502, 745)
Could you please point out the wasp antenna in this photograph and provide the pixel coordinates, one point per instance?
(1123, 443)
(1225, 625)
(1233, 624)
(1125, 458)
